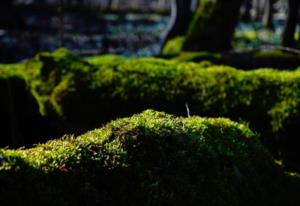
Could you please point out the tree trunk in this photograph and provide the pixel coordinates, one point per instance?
(288, 39)
(115, 4)
(194, 5)
(268, 14)
(213, 26)
(180, 18)
(246, 16)
(109, 5)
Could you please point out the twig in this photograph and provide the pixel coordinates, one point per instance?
(187, 109)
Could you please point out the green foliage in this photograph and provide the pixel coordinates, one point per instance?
(148, 159)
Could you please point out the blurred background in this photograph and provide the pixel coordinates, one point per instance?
(125, 27)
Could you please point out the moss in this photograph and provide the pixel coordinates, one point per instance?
(47, 71)
(173, 46)
(89, 94)
(9, 70)
(18, 109)
(148, 159)
(215, 58)
(245, 60)
(108, 59)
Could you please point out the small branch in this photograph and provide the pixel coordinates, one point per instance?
(187, 109)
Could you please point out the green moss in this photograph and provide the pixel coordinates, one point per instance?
(18, 109)
(88, 94)
(10, 70)
(198, 57)
(201, 18)
(108, 59)
(148, 159)
(47, 71)
(173, 46)
(245, 60)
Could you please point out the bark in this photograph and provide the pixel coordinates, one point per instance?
(180, 17)
(268, 14)
(109, 5)
(213, 26)
(288, 39)
(246, 16)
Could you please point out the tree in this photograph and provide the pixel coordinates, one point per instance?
(180, 17)
(109, 4)
(268, 14)
(258, 7)
(246, 16)
(213, 26)
(288, 39)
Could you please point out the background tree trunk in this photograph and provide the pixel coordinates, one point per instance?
(213, 26)
(194, 5)
(288, 39)
(246, 16)
(109, 5)
(180, 17)
(268, 14)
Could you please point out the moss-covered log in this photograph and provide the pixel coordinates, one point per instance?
(149, 159)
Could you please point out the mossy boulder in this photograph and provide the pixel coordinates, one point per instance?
(148, 159)
(19, 113)
(86, 93)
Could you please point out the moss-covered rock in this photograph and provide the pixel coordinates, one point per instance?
(86, 94)
(148, 159)
(19, 114)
